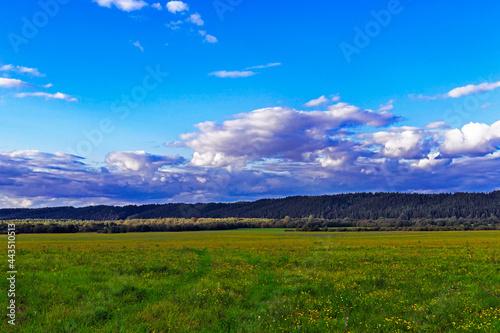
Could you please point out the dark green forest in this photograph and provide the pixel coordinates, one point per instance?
(358, 206)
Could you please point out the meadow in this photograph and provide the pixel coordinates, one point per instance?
(258, 280)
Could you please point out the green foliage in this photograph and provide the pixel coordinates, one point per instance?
(310, 225)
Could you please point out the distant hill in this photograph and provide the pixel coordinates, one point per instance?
(352, 205)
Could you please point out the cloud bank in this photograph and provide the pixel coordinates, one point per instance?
(268, 152)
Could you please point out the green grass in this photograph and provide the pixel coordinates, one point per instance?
(263, 280)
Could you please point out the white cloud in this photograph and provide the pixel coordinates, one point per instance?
(421, 97)
(196, 19)
(177, 6)
(437, 124)
(406, 143)
(140, 161)
(125, 5)
(28, 70)
(279, 152)
(387, 107)
(432, 161)
(272, 64)
(232, 74)
(317, 102)
(473, 89)
(12, 83)
(336, 157)
(6, 68)
(33, 178)
(352, 114)
(460, 91)
(474, 139)
(21, 70)
(138, 45)
(211, 39)
(157, 6)
(6, 201)
(322, 100)
(281, 133)
(47, 96)
(174, 25)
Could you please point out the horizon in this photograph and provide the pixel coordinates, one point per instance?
(133, 102)
(250, 201)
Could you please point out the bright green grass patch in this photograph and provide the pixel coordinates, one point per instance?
(258, 281)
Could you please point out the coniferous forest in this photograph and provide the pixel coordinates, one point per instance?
(343, 212)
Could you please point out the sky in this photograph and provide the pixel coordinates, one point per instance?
(133, 101)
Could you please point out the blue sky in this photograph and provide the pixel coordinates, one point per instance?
(129, 101)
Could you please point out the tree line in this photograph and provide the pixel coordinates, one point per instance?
(309, 224)
(358, 206)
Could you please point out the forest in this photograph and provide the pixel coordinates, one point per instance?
(356, 206)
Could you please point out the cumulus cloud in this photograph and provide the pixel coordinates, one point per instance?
(140, 161)
(431, 162)
(306, 161)
(351, 114)
(21, 70)
(264, 153)
(157, 6)
(125, 5)
(474, 139)
(195, 19)
(280, 133)
(232, 74)
(403, 143)
(47, 96)
(177, 6)
(33, 178)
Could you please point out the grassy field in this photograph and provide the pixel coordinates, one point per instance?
(263, 280)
